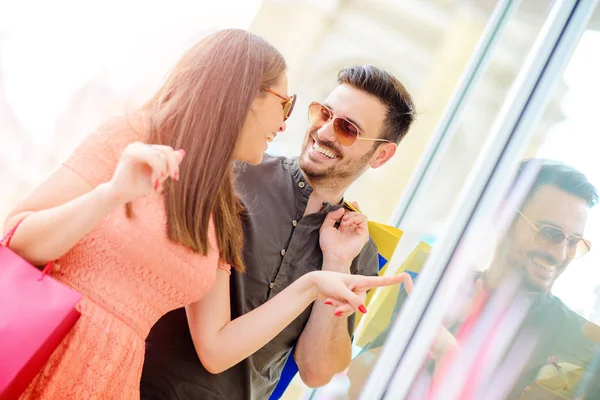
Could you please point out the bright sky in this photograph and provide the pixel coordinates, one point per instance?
(58, 45)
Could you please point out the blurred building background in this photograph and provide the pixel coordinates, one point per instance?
(60, 80)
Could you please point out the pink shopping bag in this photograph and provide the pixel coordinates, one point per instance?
(36, 313)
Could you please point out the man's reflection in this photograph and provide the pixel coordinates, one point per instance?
(548, 229)
(544, 237)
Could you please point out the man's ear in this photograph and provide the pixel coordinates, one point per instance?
(382, 155)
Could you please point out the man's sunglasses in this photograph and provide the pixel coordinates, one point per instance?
(547, 235)
(288, 105)
(346, 132)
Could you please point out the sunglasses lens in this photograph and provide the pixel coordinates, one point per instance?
(318, 115)
(345, 131)
(286, 110)
(550, 235)
(583, 246)
(288, 107)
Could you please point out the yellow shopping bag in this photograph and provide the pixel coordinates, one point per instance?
(381, 307)
(386, 239)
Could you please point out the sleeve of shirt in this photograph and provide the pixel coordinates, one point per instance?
(366, 263)
(214, 245)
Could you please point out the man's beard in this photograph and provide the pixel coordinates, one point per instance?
(342, 173)
(520, 261)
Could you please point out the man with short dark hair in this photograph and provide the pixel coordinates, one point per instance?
(357, 127)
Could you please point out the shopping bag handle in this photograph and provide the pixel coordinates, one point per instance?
(6, 240)
(350, 207)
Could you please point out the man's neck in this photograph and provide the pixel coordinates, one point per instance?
(318, 197)
(323, 192)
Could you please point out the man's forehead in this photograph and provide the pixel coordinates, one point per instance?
(549, 204)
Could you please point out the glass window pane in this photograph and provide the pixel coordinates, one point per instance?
(525, 323)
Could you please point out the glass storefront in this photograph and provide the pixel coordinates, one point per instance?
(506, 307)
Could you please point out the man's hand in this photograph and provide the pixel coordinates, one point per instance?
(341, 245)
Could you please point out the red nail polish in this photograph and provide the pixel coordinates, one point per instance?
(156, 185)
(338, 314)
(362, 309)
(329, 303)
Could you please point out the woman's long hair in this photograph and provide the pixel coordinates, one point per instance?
(201, 108)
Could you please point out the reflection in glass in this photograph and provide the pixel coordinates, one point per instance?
(511, 335)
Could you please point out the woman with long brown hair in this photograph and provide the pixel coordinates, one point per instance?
(143, 218)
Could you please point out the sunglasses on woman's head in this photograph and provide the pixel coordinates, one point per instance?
(547, 235)
(346, 132)
(288, 105)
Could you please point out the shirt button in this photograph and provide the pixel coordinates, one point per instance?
(294, 223)
(271, 285)
(283, 252)
(301, 184)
